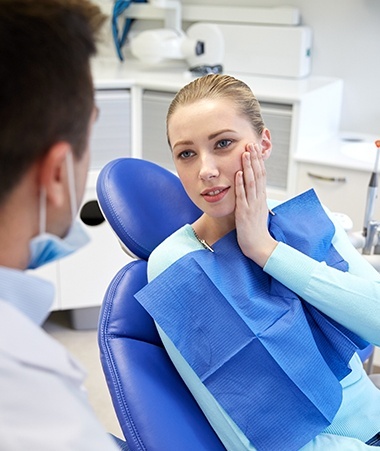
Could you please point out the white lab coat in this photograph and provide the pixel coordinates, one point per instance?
(43, 405)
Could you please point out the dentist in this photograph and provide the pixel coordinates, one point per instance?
(46, 114)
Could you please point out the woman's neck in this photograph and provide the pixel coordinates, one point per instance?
(213, 229)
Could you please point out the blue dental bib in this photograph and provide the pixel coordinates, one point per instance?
(270, 359)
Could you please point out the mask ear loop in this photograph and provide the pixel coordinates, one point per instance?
(42, 224)
(71, 183)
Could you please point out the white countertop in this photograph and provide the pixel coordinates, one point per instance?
(109, 73)
(349, 150)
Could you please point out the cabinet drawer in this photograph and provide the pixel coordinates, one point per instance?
(111, 137)
(278, 119)
(341, 190)
(154, 143)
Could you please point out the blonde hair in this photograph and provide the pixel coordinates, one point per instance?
(216, 86)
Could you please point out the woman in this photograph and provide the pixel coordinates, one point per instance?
(219, 145)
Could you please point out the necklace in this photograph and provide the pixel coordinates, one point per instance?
(203, 242)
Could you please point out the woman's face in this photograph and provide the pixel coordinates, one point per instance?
(208, 138)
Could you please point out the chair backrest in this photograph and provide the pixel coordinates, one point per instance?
(144, 204)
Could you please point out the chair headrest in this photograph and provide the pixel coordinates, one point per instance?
(143, 202)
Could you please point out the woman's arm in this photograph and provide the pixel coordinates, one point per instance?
(351, 298)
(332, 442)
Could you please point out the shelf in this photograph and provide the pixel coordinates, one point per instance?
(195, 13)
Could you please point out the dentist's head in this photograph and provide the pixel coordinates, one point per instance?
(46, 113)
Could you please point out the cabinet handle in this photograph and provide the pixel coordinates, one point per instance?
(327, 179)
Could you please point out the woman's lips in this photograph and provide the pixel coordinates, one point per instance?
(215, 194)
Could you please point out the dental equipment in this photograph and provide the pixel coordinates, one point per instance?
(120, 36)
(370, 227)
(201, 45)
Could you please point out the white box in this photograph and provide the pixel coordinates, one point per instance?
(267, 50)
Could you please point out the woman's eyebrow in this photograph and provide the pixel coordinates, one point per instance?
(214, 135)
(189, 142)
(183, 143)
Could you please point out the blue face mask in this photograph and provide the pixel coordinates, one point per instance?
(46, 247)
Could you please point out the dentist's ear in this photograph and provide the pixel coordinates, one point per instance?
(266, 144)
(53, 173)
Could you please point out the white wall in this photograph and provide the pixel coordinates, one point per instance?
(346, 45)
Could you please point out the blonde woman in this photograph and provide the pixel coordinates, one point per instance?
(251, 298)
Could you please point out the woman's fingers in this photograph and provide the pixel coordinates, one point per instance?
(241, 197)
(249, 176)
(251, 212)
(254, 173)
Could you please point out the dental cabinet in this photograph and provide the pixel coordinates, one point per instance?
(340, 171)
(341, 189)
(133, 101)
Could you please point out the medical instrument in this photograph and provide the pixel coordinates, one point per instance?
(370, 227)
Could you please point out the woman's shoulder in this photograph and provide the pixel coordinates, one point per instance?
(180, 243)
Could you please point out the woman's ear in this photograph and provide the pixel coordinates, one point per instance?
(266, 144)
(53, 175)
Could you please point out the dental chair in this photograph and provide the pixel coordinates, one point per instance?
(144, 204)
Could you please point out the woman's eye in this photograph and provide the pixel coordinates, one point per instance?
(223, 143)
(186, 154)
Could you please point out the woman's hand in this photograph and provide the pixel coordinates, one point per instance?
(251, 213)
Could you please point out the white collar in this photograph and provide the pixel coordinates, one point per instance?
(31, 295)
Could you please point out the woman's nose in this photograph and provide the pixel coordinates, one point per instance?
(208, 169)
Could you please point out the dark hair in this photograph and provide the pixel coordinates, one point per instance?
(215, 86)
(46, 89)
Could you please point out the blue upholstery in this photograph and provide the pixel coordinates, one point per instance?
(144, 203)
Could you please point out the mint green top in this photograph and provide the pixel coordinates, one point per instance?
(352, 299)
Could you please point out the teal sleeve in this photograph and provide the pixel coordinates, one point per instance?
(335, 442)
(351, 298)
